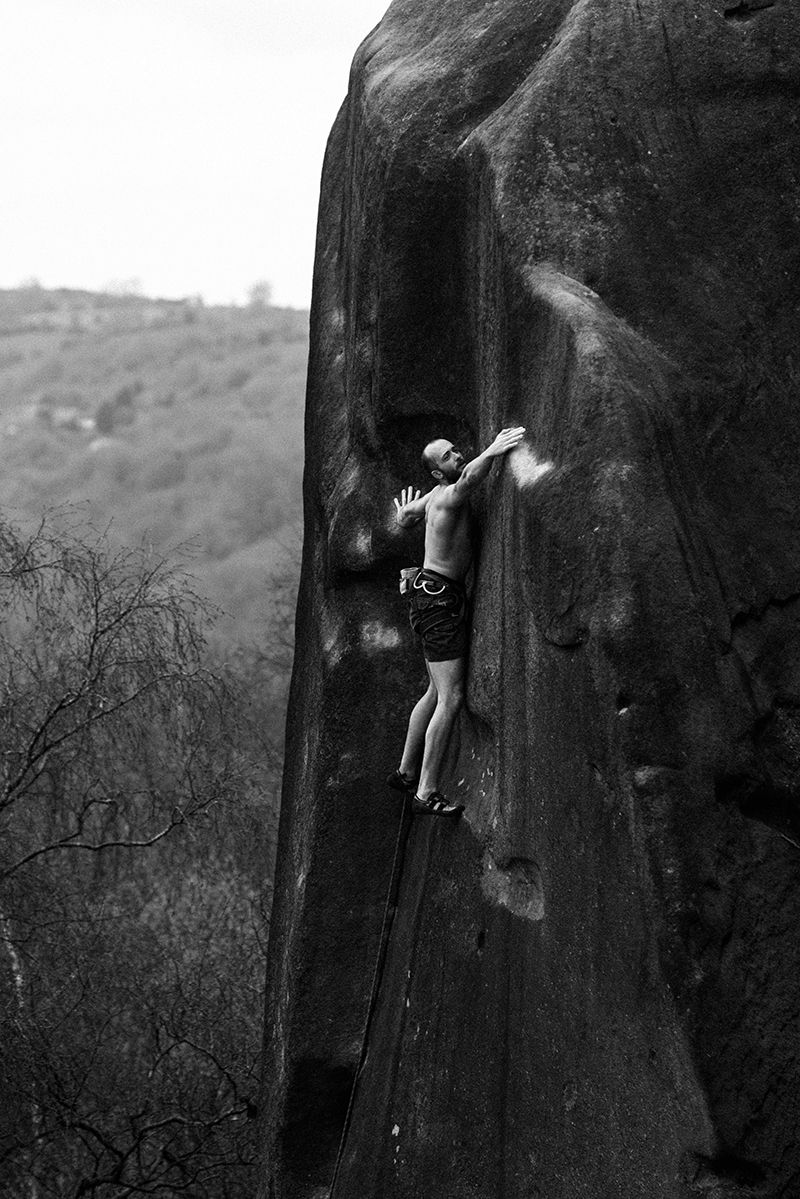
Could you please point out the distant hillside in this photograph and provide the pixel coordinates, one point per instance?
(175, 422)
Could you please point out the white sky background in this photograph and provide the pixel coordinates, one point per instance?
(175, 142)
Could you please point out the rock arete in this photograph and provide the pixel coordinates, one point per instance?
(581, 216)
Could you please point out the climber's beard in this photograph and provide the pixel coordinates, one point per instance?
(454, 469)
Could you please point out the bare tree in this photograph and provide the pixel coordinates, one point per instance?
(132, 921)
(105, 707)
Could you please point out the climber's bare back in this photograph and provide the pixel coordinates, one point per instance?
(448, 537)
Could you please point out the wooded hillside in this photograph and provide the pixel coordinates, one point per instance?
(179, 424)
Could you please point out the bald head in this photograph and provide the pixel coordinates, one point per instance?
(442, 460)
(432, 453)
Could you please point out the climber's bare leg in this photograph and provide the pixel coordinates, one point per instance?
(448, 680)
(417, 726)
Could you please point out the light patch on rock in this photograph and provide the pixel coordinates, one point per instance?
(616, 472)
(336, 319)
(332, 646)
(650, 778)
(526, 467)
(346, 769)
(348, 478)
(376, 636)
(619, 611)
(515, 884)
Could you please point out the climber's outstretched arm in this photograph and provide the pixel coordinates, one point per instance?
(477, 470)
(410, 507)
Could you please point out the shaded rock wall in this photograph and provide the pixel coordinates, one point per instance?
(581, 216)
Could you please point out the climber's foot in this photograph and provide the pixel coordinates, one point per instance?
(435, 804)
(401, 782)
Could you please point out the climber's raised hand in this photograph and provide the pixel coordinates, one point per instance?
(410, 507)
(506, 439)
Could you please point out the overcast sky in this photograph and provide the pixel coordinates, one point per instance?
(174, 142)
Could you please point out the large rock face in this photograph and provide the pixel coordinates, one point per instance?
(581, 216)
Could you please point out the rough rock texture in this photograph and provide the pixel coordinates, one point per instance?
(581, 216)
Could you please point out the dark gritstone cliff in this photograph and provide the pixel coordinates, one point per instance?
(581, 216)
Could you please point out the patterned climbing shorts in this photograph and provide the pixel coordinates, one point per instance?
(437, 610)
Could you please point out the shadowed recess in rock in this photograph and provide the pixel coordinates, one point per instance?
(318, 1096)
(745, 10)
(734, 1176)
(776, 806)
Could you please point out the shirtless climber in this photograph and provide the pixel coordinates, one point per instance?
(438, 610)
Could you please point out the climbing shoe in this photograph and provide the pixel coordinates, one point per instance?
(401, 782)
(436, 805)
